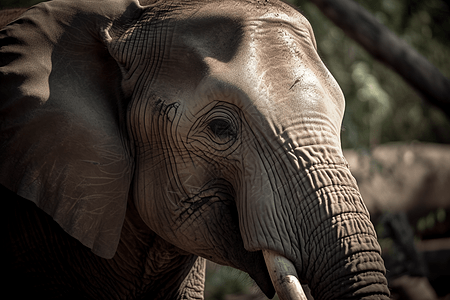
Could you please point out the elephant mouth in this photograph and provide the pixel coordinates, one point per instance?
(272, 272)
(259, 273)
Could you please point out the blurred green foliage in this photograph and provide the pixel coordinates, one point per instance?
(431, 220)
(222, 281)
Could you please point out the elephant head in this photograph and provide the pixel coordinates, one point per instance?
(217, 119)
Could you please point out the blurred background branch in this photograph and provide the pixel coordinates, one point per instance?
(386, 47)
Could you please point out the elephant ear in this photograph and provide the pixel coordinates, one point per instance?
(63, 141)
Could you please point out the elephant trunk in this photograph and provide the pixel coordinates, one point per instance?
(342, 246)
(316, 219)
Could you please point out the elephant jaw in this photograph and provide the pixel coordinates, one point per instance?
(284, 276)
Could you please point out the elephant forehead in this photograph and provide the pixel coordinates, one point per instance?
(265, 46)
(217, 30)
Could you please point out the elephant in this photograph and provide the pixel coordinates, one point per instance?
(8, 15)
(139, 139)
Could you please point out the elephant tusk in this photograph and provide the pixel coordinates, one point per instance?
(284, 277)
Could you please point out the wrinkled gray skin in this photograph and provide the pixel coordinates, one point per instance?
(155, 135)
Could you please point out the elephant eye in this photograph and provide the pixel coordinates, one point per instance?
(222, 129)
(217, 129)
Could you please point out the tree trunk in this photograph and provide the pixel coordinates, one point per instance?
(385, 46)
